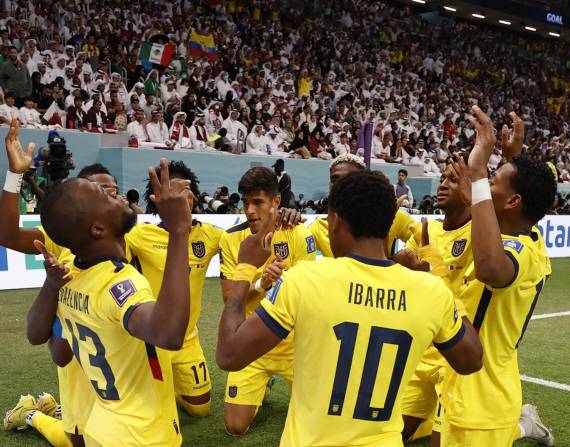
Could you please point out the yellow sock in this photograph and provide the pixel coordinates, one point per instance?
(51, 429)
(200, 411)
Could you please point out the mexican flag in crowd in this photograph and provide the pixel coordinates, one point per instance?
(157, 53)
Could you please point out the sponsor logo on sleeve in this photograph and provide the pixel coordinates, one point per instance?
(311, 247)
(122, 291)
(513, 244)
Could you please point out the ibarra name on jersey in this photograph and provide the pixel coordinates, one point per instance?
(380, 298)
(74, 299)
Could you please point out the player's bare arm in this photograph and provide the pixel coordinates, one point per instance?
(44, 308)
(163, 323)
(11, 235)
(492, 266)
(241, 340)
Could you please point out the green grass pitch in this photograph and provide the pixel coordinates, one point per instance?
(544, 353)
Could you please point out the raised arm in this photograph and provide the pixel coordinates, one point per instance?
(492, 266)
(241, 340)
(11, 234)
(163, 323)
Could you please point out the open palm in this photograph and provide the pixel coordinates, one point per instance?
(18, 160)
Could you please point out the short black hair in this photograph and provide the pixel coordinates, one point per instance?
(535, 183)
(9, 95)
(176, 169)
(403, 171)
(366, 201)
(260, 179)
(94, 169)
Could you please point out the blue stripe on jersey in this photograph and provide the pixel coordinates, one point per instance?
(239, 227)
(452, 341)
(57, 329)
(376, 262)
(482, 308)
(516, 264)
(127, 315)
(275, 327)
(531, 311)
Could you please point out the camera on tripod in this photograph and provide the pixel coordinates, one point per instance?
(320, 206)
(58, 162)
(221, 203)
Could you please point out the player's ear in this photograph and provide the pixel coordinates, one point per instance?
(97, 230)
(513, 202)
(277, 200)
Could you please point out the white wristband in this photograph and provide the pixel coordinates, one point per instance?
(258, 287)
(480, 191)
(13, 182)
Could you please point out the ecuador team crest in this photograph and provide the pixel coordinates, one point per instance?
(281, 249)
(458, 247)
(199, 249)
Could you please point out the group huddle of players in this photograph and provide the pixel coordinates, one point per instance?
(377, 347)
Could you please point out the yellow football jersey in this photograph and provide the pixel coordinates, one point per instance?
(492, 398)
(75, 392)
(292, 245)
(135, 403)
(455, 247)
(399, 230)
(361, 327)
(146, 250)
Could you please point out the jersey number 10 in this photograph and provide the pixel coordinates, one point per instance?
(346, 332)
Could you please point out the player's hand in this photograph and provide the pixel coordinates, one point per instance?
(18, 160)
(460, 173)
(512, 143)
(288, 218)
(272, 273)
(256, 248)
(484, 144)
(401, 199)
(174, 205)
(425, 232)
(57, 273)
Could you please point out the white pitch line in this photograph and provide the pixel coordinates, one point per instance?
(552, 315)
(548, 383)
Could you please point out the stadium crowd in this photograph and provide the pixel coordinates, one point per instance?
(287, 78)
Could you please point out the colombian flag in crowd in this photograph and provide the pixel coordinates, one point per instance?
(202, 46)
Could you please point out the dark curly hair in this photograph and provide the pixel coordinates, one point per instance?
(259, 179)
(94, 169)
(535, 183)
(176, 169)
(365, 200)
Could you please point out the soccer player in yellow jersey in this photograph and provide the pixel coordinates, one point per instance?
(502, 288)
(246, 387)
(76, 404)
(146, 248)
(340, 167)
(452, 237)
(111, 317)
(361, 324)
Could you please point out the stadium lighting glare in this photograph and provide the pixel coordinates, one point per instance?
(530, 28)
(504, 22)
(479, 16)
(450, 8)
(554, 34)
(419, 1)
